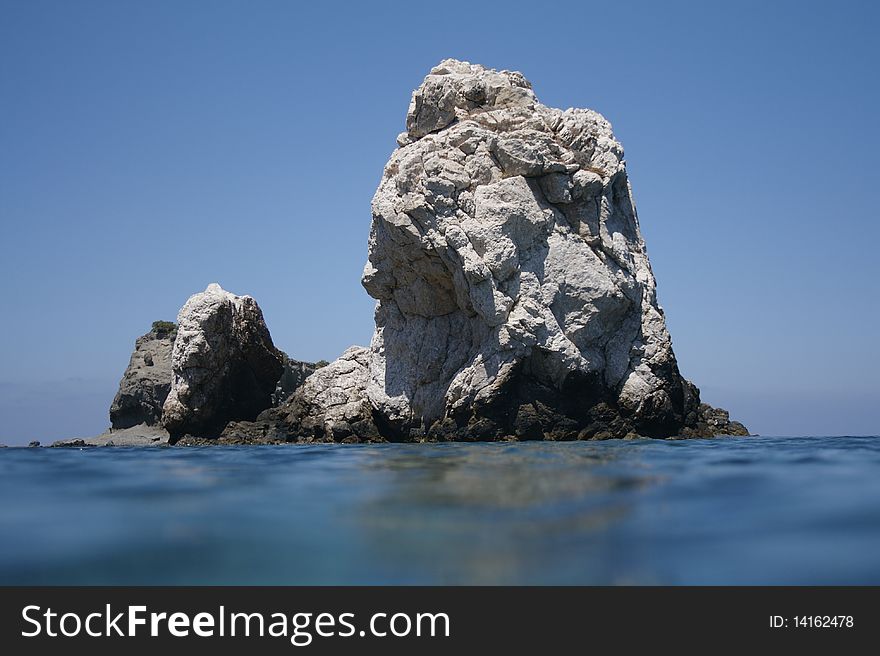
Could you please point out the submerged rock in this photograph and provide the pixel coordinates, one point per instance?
(147, 379)
(140, 435)
(224, 364)
(72, 443)
(515, 296)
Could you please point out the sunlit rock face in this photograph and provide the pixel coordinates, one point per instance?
(515, 297)
(146, 381)
(224, 364)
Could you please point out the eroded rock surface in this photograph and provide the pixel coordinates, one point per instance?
(293, 376)
(333, 402)
(515, 296)
(224, 364)
(147, 379)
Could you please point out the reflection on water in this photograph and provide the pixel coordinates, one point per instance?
(488, 515)
(758, 510)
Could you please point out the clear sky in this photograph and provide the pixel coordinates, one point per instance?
(150, 148)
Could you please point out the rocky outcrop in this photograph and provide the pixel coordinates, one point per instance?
(334, 392)
(224, 364)
(293, 376)
(515, 296)
(147, 379)
(333, 402)
(713, 421)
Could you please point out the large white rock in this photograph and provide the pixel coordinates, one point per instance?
(515, 296)
(224, 364)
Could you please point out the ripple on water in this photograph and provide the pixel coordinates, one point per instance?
(753, 510)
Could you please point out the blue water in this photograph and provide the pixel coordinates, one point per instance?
(725, 511)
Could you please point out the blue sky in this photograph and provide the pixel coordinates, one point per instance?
(147, 149)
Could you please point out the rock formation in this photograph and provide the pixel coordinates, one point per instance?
(332, 402)
(224, 364)
(293, 376)
(147, 380)
(515, 297)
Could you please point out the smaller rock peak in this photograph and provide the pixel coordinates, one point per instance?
(461, 68)
(453, 89)
(215, 292)
(162, 329)
(224, 365)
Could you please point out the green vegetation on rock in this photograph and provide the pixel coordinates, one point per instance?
(164, 327)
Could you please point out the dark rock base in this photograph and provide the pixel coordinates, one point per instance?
(519, 421)
(528, 407)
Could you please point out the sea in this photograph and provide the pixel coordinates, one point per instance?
(727, 511)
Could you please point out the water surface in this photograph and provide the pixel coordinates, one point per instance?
(725, 511)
